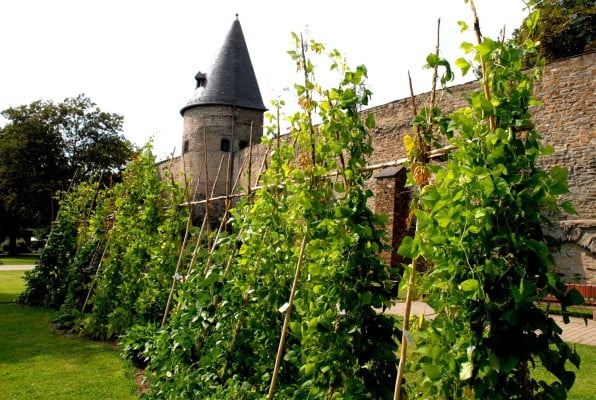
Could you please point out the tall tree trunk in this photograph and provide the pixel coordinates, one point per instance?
(12, 244)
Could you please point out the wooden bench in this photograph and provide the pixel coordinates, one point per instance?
(588, 291)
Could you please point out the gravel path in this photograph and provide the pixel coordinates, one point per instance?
(16, 267)
(576, 331)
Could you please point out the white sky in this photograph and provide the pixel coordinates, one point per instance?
(139, 58)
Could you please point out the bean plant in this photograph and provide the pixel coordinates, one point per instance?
(140, 224)
(480, 226)
(47, 285)
(303, 249)
(112, 252)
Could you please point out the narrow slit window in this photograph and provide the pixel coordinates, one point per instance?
(224, 145)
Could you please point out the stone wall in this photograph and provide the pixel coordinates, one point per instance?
(566, 121)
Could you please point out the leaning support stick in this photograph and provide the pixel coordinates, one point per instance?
(284, 330)
(422, 158)
(182, 246)
(205, 224)
(430, 155)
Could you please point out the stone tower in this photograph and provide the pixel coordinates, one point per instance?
(224, 107)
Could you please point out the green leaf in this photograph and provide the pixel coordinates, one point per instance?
(547, 150)
(486, 105)
(469, 285)
(558, 182)
(574, 298)
(474, 229)
(370, 121)
(467, 47)
(466, 371)
(486, 47)
(432, 371)
(366, 298)
(432, 60)
(534, 102)
(487, 186)
(568, 207)
(405, 248)
(532, 20)
(567, 379)
(464, 65)
(494, 361)
(574, 359)
(299, 89)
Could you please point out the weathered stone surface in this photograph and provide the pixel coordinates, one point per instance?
(566, 121)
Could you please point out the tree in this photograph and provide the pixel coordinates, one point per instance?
(32, 167)
(42, 146)
(90, 137)
(565, 28)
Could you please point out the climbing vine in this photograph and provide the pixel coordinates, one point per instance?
(112, 252)
(285, 306)
(140, 225)
(48, 284)
(480, 227)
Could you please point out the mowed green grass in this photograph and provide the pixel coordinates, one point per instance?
(38, 362)
(21, 259)
(11, 284)
(584, 387)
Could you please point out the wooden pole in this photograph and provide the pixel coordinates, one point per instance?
(485, 86)
(284, 330)
(91, 284)
(431, 154)
(205, 224)
(250, 157)
(422, 158)
(182, 246)
(208, 203)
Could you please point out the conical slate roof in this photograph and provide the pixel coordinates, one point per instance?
(232, 80)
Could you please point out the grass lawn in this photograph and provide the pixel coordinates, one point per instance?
(585, 384)
(21, 259)
(11, 284)
(37, 362)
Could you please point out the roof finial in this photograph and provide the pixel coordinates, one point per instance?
(236, 16)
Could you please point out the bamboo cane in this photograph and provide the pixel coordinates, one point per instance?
(182, 246)
(284, 330)
(205, 224)
(422, 158)
(485, 85)
(437, 153)
(91, 284)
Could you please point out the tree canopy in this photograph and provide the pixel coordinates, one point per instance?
(44, 147)
(565, 28)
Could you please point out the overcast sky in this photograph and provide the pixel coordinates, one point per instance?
(139, 58)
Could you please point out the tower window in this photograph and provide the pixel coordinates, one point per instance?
(224, 145)
(243, 144)
(201, 79)
(185, 147)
